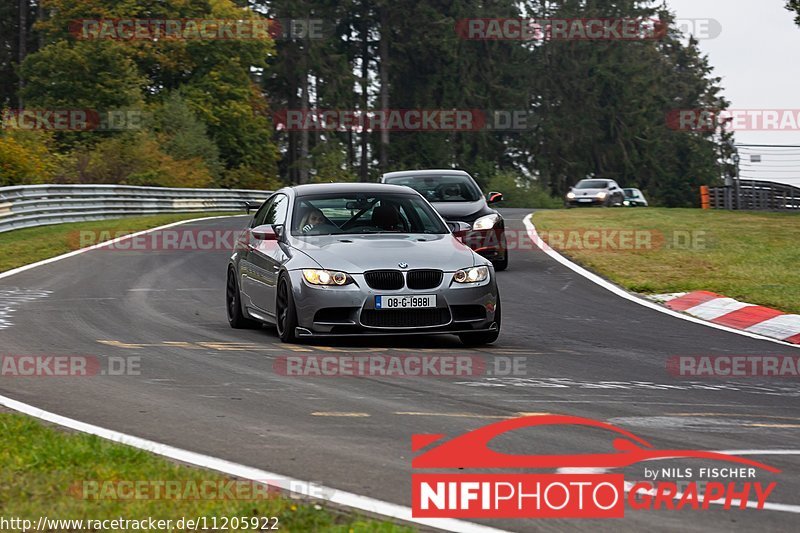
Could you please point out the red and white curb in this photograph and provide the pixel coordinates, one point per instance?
(734, 314)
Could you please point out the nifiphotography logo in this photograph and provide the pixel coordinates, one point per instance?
(572, 495)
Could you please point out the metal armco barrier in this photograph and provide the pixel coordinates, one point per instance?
(26, 206)
(756, 196)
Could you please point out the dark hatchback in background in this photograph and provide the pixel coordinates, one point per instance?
(634, 198)
(457, 197)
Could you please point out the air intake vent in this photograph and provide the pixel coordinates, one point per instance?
(385, 280)
(424, 279)
(405, 318)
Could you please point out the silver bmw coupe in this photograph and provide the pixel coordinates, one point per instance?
(359, 259)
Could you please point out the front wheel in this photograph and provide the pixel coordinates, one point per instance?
(501, 264)
(480, 338)
(233, 305)
(285, 311)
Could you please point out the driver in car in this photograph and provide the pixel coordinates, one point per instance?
(313, 218)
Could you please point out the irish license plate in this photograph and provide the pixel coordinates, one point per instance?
(416, 301)
(584, 199)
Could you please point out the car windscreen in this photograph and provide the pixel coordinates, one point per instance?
(343, 213)
(592, 184)
(440, 188)
(631, 193)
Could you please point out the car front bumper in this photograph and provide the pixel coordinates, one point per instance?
(585, 202)
(350, 309)
(488, 243)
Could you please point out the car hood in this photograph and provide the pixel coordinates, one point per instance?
(588, 192)
(465, 211)
(358, 253)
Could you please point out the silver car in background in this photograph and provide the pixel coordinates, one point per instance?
(359, 259)
(595, 192)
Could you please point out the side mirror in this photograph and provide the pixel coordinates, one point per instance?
(494, 197)
(265, 232)
(252, 206)
(459, 229)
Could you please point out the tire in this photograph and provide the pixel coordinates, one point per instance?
(233, 305)
(285, 311)
(482, 337)
(502, 264)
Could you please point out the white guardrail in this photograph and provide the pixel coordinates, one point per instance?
(26, 206)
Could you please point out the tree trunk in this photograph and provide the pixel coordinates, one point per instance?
(384, 69)
(304, 133)
(364, 171)
(40, 17)
(292, 135)
(23, 39)
(351, 151)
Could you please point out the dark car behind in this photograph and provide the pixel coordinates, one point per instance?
(457, 197)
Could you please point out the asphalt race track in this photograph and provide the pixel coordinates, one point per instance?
(207, 388)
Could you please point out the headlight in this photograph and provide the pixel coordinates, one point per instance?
(602, 195)
(570, 195)
(325, 277)
(486, 222)
(471, 275)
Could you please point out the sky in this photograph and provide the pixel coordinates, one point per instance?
(757, 55)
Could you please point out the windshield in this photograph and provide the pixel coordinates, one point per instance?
(631, 193)
(592, 184)
(335, 214)
(440, 188)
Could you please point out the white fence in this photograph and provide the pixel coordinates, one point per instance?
(36, 205)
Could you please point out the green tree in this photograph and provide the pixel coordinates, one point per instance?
(214, 77)
(601, 107)
(17, 39)
(794, 5)
(328, 161)
(83, 75)
(183, 135)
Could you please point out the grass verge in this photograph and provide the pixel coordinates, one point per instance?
(753, 257)
(24, 246)
(43, 470)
